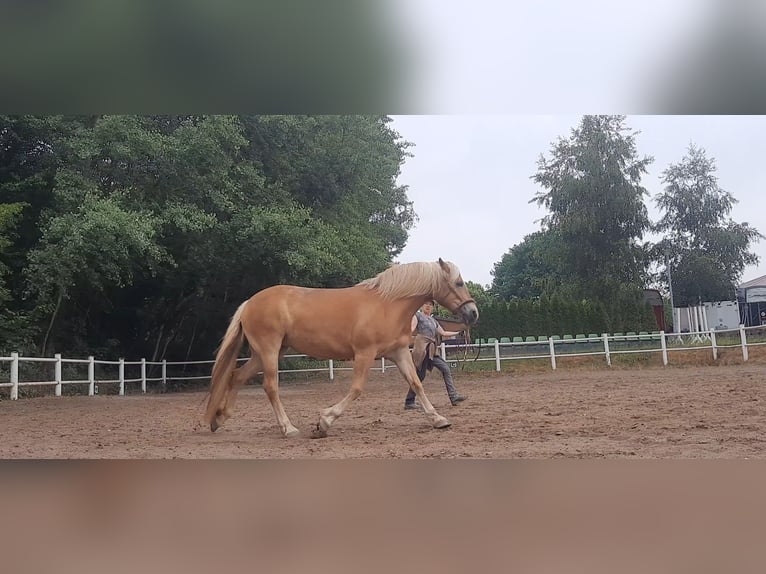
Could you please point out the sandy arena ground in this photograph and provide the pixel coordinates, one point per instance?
(673, 412)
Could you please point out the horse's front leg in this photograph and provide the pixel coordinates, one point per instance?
(362, 364)
(403, 359)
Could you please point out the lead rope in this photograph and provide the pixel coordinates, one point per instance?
(465, 347)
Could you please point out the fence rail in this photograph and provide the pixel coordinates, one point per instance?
(550, 349)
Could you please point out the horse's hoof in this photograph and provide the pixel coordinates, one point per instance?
(318, 432)
(292, 433)
(441, 423)
(214, 426)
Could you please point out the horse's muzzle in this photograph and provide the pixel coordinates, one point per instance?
(469, 313)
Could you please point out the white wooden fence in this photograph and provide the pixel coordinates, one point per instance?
(497, 352)
(138, 375)
(606, 345)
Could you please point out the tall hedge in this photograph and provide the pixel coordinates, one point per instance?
(555, 316)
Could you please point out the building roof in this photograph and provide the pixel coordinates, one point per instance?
(757, 282)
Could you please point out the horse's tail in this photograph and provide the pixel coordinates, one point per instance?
(225, 359)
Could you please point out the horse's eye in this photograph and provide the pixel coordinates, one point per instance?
(459, 284)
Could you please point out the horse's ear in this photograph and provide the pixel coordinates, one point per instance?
(443, 265)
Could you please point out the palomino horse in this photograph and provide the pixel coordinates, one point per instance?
(363, 322)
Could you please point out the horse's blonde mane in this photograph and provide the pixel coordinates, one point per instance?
(408, 279)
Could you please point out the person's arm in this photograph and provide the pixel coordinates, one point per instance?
(446, 334)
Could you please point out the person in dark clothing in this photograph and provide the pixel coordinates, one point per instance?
(428, 334)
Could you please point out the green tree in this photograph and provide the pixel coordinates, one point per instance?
(530, 268)
(585, 270)
(9, 213)
(343, 168)
(592, 187)
(480, 294)
(706, 249)
(84, 253)
(27, 169)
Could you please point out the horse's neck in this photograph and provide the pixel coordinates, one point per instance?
(403, 308)
(410, 305)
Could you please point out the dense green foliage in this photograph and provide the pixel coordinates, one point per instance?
(8, 214)
(557, 316)
(139, 235)
(531, 268)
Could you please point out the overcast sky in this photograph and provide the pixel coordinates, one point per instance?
(495, 65)
(469, 177)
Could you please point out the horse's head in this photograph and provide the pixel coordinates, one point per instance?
(454, 295)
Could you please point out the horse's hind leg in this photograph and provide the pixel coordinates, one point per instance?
(271, 386)
(238, 378)
(245, 373)
(362, 364)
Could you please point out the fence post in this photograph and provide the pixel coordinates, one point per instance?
(332, 369)
(14, 376)
(553, 353)
(497, 354)
(606, 349)
(91, 375)
(664, 344)
(143, 375)
(164, 375)
(382, 364)
(713, 344)
(57, 371)
(443, 351)
(743, 338)
(122, 376)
